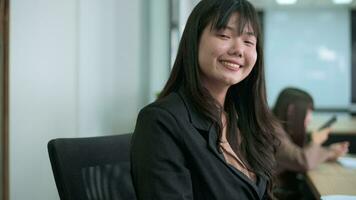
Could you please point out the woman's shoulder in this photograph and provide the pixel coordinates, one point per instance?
(172, 104)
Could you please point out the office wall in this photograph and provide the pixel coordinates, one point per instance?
(185, 8)
(309, 48)
(77, 68)
(158, 47)
(109, 35)
(43, 87)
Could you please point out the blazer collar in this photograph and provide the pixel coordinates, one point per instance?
(198, 120)
(202, 123)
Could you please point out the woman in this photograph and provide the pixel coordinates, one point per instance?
(210, 133)
(294, 109)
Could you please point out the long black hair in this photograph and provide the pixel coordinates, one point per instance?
(291, 109)
(251, 126)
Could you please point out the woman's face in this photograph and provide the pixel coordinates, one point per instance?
(308, 118)
(225, 56)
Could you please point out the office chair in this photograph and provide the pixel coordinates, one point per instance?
(93, 168)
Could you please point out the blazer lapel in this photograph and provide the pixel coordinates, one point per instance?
(205, 126)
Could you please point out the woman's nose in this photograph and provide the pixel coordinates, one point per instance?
(236, 48)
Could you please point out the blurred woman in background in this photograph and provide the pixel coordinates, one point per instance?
(294, 109)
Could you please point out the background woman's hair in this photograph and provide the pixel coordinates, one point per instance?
(291, 109)
(246, 102)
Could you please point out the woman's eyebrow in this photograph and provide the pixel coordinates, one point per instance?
(233, 29)
(250, 33)
(230, 28)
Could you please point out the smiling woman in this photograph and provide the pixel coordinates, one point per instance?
(209, 134)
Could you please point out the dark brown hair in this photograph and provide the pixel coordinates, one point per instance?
(291, 109)
(255, 125)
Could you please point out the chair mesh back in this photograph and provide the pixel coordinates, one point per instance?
(102, 182)
(96, 168)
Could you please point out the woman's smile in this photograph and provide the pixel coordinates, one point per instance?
(230, 65)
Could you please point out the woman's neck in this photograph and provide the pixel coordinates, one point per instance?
(217, 91)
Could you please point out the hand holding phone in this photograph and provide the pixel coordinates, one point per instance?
(322, 134)
(328, 123)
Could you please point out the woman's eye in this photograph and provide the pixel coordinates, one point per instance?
(224, 36)
(251, 43)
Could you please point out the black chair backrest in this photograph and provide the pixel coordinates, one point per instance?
(93, 168)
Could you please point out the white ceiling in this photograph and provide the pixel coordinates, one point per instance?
(272, 4)
(300, 4)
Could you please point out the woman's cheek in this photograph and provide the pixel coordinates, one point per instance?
(252, 59)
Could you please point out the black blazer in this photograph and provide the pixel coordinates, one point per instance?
(174, 156)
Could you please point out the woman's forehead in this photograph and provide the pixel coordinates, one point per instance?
(235, 22)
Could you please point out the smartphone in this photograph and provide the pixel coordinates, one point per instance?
(330, 122)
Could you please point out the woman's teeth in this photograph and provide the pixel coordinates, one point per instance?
(230, 65)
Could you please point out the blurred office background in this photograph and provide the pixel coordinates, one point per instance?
(80, 68)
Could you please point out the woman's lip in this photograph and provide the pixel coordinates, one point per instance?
(230, 65)
(235, 62)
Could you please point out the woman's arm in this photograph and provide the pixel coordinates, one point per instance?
(158, 165)
(294, 158)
